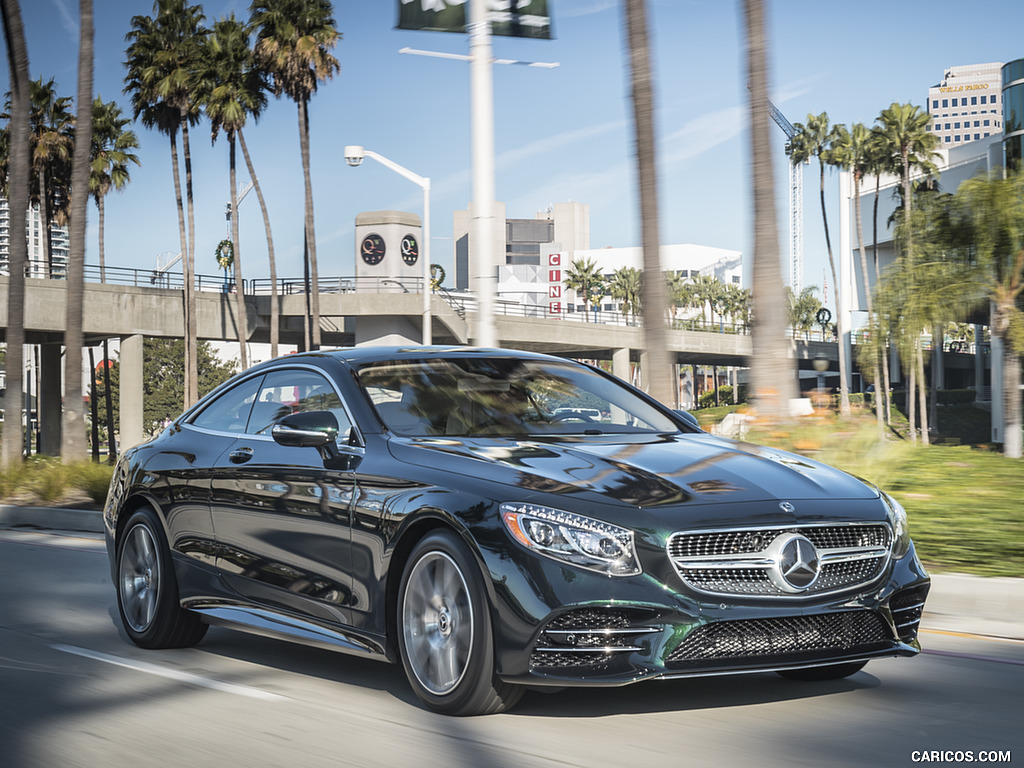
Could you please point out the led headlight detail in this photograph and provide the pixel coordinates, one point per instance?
(573, 539)
(898, 523)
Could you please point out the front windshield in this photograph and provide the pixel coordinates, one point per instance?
(463, 397)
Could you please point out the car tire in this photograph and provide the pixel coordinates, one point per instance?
(147, 593)
(831, 672)
(444, 631)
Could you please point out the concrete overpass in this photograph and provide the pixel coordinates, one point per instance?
(128, 308)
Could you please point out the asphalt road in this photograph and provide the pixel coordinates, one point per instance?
(75, 692)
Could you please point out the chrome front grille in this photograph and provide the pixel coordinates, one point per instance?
(747, 562)
(789, 639)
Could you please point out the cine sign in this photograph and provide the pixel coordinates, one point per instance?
(555, 284)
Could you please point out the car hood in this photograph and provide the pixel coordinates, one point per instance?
(639, 470)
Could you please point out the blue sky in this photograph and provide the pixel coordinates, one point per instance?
(561, 134)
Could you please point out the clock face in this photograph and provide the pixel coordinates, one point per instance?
(410, 250)
(372, 249)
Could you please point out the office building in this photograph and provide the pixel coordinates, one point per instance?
(1013, 113)
(967, 104)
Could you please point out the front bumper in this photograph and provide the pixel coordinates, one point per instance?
(622, 635)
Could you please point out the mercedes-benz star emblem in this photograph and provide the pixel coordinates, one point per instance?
(796, 566)
(785, 506)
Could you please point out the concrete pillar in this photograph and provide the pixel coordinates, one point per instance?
(620, 363)
(130, 369)
(49, 399)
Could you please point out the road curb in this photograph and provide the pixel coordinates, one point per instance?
(958, 602)
(52, 518)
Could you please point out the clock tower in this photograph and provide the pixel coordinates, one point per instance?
(388, 246)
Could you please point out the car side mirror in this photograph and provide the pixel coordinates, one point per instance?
(688, 417)
(308, 429)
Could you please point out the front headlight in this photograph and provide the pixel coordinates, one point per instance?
(898, 523)
(573, 539)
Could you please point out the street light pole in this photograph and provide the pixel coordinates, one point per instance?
(354, 156)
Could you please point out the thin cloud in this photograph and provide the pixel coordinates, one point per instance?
(68, 20)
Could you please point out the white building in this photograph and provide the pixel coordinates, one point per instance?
(37, 264)
(967, 104)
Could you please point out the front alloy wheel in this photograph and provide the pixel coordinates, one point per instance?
(445, 635)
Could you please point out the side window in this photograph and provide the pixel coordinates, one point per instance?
(293, 391)
(230, 411)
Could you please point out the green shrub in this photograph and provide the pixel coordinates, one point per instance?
(94, 479)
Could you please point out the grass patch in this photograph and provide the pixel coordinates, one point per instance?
(44, 481)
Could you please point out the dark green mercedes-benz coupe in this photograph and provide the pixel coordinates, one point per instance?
(497, 520)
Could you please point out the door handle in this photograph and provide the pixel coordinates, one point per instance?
(240, 456)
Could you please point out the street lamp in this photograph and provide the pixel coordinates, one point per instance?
(820, 366)
(354, 155)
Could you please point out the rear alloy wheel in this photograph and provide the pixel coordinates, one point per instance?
(831, 672)
(445, 636)
(147, 594)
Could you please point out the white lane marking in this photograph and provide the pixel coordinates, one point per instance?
(173, 674)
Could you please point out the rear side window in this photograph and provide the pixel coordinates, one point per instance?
(229, 412)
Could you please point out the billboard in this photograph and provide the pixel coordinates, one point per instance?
(509, 18)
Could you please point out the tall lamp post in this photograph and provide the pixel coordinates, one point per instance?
(354, 155)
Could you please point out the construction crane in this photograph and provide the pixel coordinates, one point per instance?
(796, 204)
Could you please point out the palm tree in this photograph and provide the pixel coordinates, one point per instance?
(293, 43)
(660, 378)
(52, 126)
(161, 61)
(815, 139)
(802, 309)
(856, 150)
(772, 371)
(232, 90)
(678, 292)
(904, 129)
(584, 277)
(73, 438)
(625, 288)
(111, 155)
(17, 183)
(706, 290)
(991, 212)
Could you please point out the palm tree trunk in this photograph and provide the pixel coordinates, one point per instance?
(772, 370)
(241, 318)
(658, 374)
(314, 275)
(73, 438)
(844, 389)
(1011, 380)
(883, 346)
(191, 341)
(94, 408)
(911, 399)
(18, 186)
(275, 306)
(186, 269)
(101, 215)
(44, 224)
(922, 390)
(108, 402)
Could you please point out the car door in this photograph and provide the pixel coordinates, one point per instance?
(180, 473)
(282, 519)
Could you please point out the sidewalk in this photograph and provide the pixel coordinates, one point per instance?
(957, 602)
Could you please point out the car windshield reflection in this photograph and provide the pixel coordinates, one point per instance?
(465, 397)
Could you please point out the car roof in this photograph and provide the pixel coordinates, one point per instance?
(358, 356)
